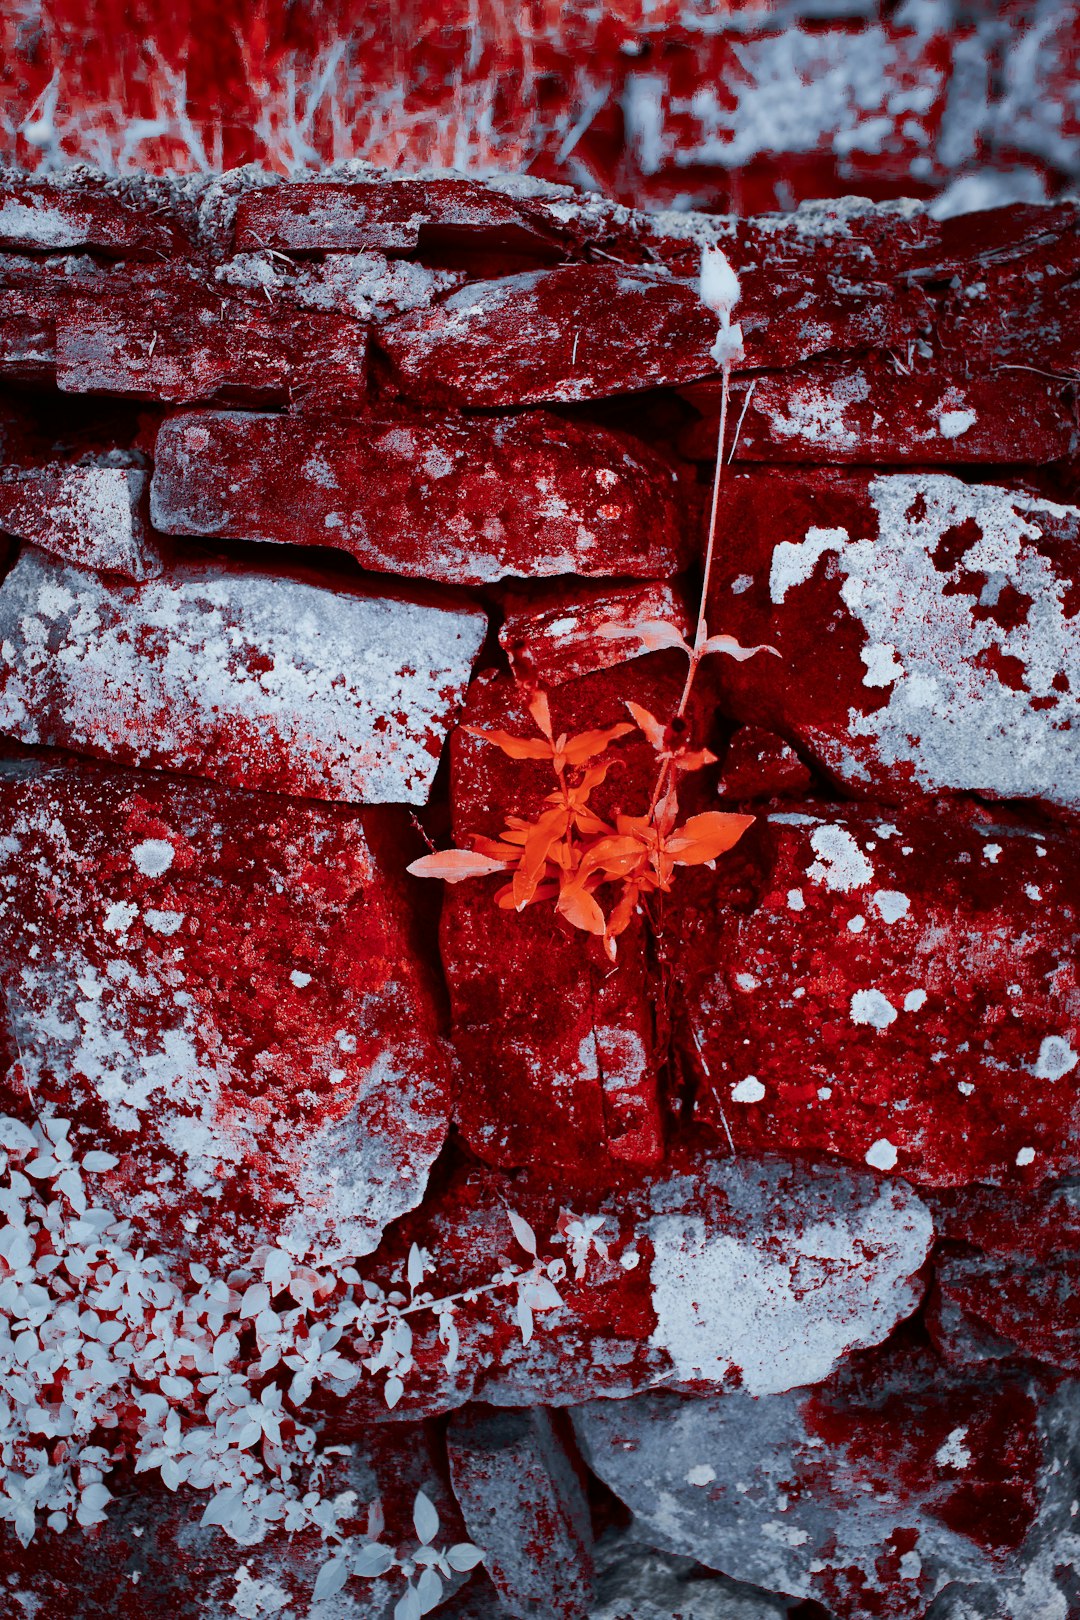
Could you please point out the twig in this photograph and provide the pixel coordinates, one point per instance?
(742, 413)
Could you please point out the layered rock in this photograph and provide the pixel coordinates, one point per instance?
(255, 680)
(948, 617)
(895, 989)
(463, 501)
(88, 515)
(222, 991)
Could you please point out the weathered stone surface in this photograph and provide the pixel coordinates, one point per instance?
(249, 679)
(557, 634)
(563, 1071)
(940, 620)
(89, 515)
(160, 335)
(577, 333)
(325, 216)
(898, 411)
(759, 765)
(523, 1502)
(50, 217)
(222, 991)
(1007, 1276)
(752, 1274)
(899, 992)
(637, 1582)
(1016, 303)
(462, 501)
(867, 1494)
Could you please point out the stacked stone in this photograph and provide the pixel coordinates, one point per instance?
(302, 481)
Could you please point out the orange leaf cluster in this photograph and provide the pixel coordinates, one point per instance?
(570, 855)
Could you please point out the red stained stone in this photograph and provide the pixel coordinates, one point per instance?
(161, 336)
(927, 628)
(760, 765)
(51, 217)
(885, 412)
(552, 635)
(896, 990)
(1007, 1276)
(551, 335)
(811, 284)
(1016, 302)
(458, 500)
(710, 1272)
(561, 1072)
(89, 515)
(223, 991)
(249, 679)
(323, 216)
(523, 1502)
(868, 1494)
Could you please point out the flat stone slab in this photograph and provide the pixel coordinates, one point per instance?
(249, 679)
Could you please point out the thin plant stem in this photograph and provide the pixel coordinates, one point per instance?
(700, 627)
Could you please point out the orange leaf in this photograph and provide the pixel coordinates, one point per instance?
(455, 865)
(653, 634)
(504, 897)
(694, 761)
(540, 711)
(547, 831)
(623, 911)
(649, 724)
(587, 744)
(728, 644)
(614, 856)
(516, 747)
(703, 838)
(580, 910)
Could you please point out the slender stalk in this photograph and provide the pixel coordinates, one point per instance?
(700, 627)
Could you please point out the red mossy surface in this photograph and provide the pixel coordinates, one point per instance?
(459, 500)
(896, 989)
(222, 991)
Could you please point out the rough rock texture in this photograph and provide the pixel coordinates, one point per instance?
(179, 339)
(522, 1501)
(460, 500)
(734, 1272)
(896, 989)
(952, 659)
(325, 1190)
(88, 515)
(867, 1494)
(249, 678)
(1005, 1276)
(635, 1581)
(221, 990)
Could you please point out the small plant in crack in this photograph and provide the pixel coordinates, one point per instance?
(597, 873)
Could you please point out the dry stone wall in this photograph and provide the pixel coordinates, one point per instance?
(742, 1266)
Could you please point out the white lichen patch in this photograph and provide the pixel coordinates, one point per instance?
(841, 865)
(985, 660)
(250, 679)
(873, 1008)
(780, 1301)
